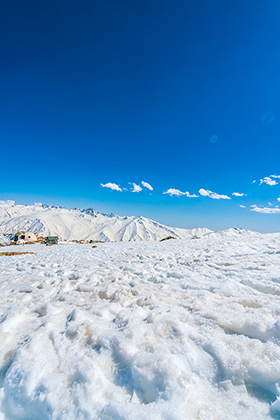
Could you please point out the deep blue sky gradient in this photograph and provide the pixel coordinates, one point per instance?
(127, 91)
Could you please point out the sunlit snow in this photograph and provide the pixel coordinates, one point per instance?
(181, 329)
(88, 224)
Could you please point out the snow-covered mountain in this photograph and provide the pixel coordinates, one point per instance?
(85, 224)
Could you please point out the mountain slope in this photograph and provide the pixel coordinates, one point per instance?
(86, 224)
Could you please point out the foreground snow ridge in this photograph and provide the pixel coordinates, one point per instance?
(77, 224)
(185, 329)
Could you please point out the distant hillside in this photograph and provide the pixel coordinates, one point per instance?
(86, 224)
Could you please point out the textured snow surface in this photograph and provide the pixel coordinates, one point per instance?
(86, 224)
(185, 329)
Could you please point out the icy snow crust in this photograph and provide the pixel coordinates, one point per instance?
(185, 329)
(86, 224)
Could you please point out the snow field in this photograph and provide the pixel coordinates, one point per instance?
(174, 330)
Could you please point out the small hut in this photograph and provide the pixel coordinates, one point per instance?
(26, 237)
(52, 240)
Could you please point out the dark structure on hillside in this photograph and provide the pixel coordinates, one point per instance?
(52, 240)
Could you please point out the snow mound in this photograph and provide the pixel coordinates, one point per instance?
(232, 232)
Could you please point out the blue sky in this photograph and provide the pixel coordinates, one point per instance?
(182, 95)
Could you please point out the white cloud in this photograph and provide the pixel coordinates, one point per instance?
(267, 210)
(178, 193)
(146, 185)
(254, 181)
(112, 186)
(238, 194)
(136, 188)
(268, 180)
(243, 207)
(278, 199)
(275, 176)
(208, 193)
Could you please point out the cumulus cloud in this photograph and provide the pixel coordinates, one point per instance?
(268, 180)
(278, 199)
(243, 207)
(208, 193)
(178, 193)
(112, 186)
(146, 185)
(238, 194)
(275, 176)
(136, 188)
(267, 210)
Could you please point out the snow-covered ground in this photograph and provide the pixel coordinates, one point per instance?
(182, 329)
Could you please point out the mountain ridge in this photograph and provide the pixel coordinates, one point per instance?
(85, 224)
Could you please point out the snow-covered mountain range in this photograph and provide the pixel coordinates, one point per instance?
(77, 224)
